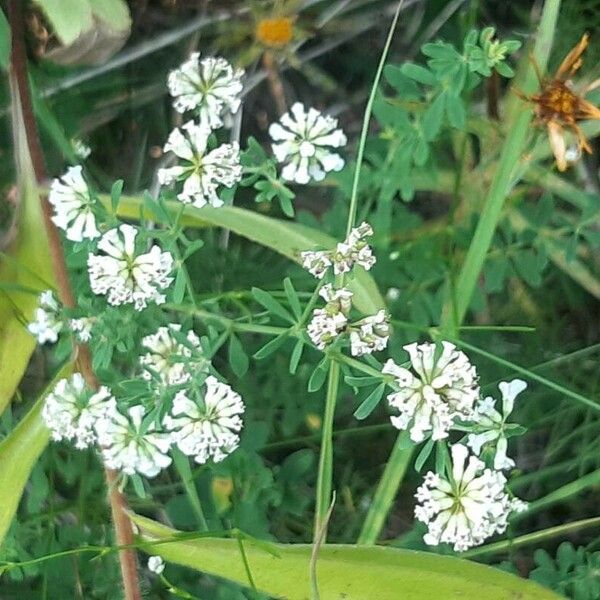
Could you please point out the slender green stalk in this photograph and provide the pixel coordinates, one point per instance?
(530, 374)
(185, 473)
(324, 477)
(459, 297)
(532, 538)
(386, 491)
(367, 117)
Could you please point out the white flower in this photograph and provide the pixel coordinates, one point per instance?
(303, 141)
(444, 389)
(167, 356)
(316, 263)
(490, 424)
(71, 410)
(353, 250)
(82, 328)
(156, 564)
(47, 323)
(210, 85)
(81, 149)
(202, 171)
(208, 427)
(392, 294)
(126, 277)
(327, 323)
(466, 509)
(128, 446)
(371, 335)
(72, 202)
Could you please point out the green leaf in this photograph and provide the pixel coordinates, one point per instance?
(288, 239)
(318, 377)
(238, 359)
(455, 109)
(344, 571)
(271, 346)
(424, 454)
(296, 356)
(272, 305)
(19, 453)
(292, 297)
(432, 119)
(418, 73)
(4, 42)
(179, 287)
(115, 194)
(368, 405)
(26, 266)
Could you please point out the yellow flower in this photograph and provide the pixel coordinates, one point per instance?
(275, 32)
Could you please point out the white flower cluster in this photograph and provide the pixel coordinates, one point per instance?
(370, 334)
(72, 202)
(303, 141)
(124, 275)
(47, 323)
(443, 388)
(212, 88)
(168, 358)
(466, 508)
(204, 421)
(366, 336)
(71, 412)
(490, 425)
(328, 322)
(206, 427)
(354, 250)
(202, 171)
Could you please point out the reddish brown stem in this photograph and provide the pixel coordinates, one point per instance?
(118, 504)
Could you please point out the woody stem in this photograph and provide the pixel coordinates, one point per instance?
(18, 74)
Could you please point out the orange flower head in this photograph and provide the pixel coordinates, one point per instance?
(559, 106)
(275, 32)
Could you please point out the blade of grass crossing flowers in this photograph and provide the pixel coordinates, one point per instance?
(458, 297)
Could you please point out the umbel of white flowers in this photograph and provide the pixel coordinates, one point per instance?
(126, 276)
(168, 358)
(468, 506)
(354, 250)
(204, 422)
(441, 390)
(302, 140)
(202, 171)
(211, 87)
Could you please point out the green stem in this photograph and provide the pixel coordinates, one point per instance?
(324, 477)
(185, 473)
(532, 538)
(455, 306)
(366, 118)
(386, 491)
